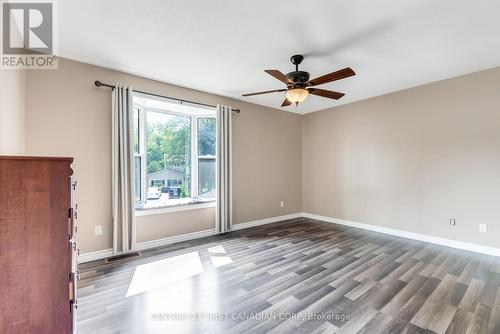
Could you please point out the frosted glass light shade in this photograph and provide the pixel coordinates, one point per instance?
(297, 95)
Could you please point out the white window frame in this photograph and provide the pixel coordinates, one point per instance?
(143, 111)
(141, 154)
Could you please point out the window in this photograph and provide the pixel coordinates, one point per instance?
(157, 183)
(206, 157)
(137, 157)
(175, 153)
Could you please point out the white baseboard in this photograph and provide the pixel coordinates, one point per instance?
(409, 235)
(264, 221)
(196, 235)
(174, 239)
(92, 256)
(87, 257)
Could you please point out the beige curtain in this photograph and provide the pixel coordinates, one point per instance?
(224, 212)
(123, 197)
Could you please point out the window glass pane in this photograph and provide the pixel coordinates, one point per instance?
(206, 136)
(137, 178)
(206, 177)
(168, 149)
(136, 130)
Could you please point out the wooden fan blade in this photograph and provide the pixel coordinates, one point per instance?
(280, 76)
(325, 93)
(286, 103)
(337, 75)
(267, 91)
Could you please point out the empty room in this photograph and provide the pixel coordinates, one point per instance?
(249, 167)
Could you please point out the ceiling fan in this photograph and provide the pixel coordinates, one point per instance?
(298, 85)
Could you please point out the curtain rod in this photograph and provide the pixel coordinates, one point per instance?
(99, 84)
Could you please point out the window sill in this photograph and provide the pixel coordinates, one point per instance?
(174, 208)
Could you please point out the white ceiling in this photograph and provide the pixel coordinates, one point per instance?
(223, 46)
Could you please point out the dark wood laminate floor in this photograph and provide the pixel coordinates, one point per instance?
(322, 278)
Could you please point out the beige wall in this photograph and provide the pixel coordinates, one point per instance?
(175, 223)
(67, 115)
(12, 112)
(411, 160)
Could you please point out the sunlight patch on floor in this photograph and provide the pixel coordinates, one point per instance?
(219, 261)
(163, 272)
(217, 250)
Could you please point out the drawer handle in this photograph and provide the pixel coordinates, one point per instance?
(72, 288)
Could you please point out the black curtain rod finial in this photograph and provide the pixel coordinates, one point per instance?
(100, 84)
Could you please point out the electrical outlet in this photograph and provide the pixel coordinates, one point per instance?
(282, 204)
(98, 230)
(452, 222)
(483, 228)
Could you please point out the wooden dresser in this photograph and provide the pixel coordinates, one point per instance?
(37, 246)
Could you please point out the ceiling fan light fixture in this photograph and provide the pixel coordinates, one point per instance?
(299, 85)
(297, 95)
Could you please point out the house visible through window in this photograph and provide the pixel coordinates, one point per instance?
(174, 153)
